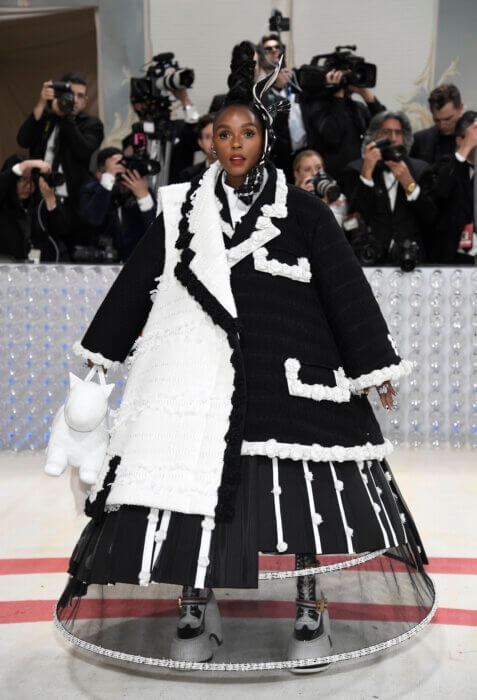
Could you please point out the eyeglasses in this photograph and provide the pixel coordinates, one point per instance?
(390, 132)
(269, 49)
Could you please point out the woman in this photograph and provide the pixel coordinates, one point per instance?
(244, 425)
(306, 166)
(30, 226)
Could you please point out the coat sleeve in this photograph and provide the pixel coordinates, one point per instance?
(366, 348)
(123, 313)
(82, 139)
(29, 133)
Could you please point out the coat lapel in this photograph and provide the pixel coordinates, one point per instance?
(205, 254)
(256, 228)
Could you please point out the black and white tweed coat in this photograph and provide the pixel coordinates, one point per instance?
(307, 336)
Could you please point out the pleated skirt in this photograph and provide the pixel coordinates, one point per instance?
(282, 507)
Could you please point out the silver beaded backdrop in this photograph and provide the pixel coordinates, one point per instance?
(431, 313)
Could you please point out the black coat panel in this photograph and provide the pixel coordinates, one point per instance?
(412, 220)
(328, 322)
(100, 210)
(430, 146)
(79, 136)
(454, 191)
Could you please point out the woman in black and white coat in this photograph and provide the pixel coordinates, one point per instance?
(253, 338)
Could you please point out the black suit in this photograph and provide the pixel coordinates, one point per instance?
(335, 127)
(79, 136)
(191, 172)
(455, 199)
(408, 220)
(99, 210)
(431, 146)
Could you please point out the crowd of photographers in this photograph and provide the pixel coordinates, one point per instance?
(401, 198)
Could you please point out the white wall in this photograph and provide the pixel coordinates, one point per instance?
(397, 35)
(202, 33)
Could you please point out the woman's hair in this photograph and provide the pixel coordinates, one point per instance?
(377, 121)
(241, 80)
(302, 155)
(12, 195)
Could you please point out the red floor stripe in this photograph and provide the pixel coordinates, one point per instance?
(42, 611)
(42, 565)
(437, 565)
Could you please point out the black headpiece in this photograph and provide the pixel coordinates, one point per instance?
(243, 90)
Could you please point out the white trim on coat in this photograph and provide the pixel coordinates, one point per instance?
(318, 392)
(300, 272)
(316, 453)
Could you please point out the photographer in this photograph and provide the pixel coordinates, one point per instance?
(289, 129)
(31, 227)
(118, 206)
(61, 133)
(310, 175)
(438, 141)
(335, 123)
(456, 239)
(171, 141)
(391, 191)
(204, 132)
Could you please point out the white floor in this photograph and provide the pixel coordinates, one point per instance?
(41, 517)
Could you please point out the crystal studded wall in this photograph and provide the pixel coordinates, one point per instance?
(431, 313)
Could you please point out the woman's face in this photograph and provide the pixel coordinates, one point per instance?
(238, 141)
(25, 186)
(308, 167)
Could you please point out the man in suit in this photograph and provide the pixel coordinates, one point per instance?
(437, 141)
(65, 140)
(117, 205)
(393, 197)
(456, 239)
(204, 140)
(335, 122)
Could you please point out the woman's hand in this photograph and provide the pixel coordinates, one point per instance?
(91, 365)
(386, 393)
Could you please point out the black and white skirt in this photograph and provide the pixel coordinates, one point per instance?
(351, 515)
(282, 507)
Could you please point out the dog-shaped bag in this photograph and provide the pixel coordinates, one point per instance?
(80, 430)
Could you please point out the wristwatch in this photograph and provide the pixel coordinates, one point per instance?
(411, 187)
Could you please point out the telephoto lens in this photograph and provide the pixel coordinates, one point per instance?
(325, 186)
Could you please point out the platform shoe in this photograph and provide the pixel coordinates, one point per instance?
(311, 635)
(199, 629)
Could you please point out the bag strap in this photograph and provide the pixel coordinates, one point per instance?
(99, 369)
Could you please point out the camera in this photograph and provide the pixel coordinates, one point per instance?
(360, 73)
(278, 23)
(145, 166)
(390, 151)
(407, 254)
(52, 179)
(311, 79)
(64, 95)
(325, 186)
(164, 75)
(366, 247)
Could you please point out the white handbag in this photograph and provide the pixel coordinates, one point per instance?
(80, 430)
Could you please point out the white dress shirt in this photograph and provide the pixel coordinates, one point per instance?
(392, 185)
(237, 208)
